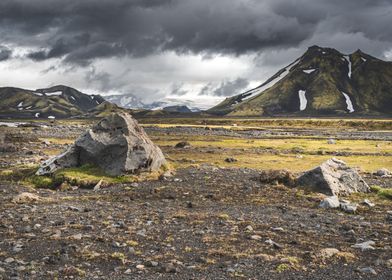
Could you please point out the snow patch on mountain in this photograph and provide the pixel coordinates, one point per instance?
(302, 100)
(347, 58)
(20, 104)
(55, 93)
(350, 106)
(308, 71)
(363, 59)
(270, 83)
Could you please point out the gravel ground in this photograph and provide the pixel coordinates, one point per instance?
(204, 222)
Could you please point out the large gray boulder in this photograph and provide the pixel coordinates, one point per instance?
(333, 177)
(117, 144)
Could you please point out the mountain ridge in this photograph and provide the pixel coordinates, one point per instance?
(332, 83)
(54, 102)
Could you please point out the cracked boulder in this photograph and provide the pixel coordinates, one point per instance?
(116, 144)
(333, 178)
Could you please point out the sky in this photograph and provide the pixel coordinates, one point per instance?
(189, 50)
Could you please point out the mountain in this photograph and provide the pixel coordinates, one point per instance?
(130, 101)
(177, 109)
(322, 82)
(55, 102)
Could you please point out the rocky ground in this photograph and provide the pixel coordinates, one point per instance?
(205, 222)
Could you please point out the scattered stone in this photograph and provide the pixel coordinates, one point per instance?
(97, 187)
(389, 263)
(128, 271)
(367, 202)
(26, 197)
(367, 270)
(249, 228)
(327, 253)
(284, 177)
(331, 141)
(383, 172)
(140, 267)
(151, 264)
(256, 237)
(9, 260)
(78, 236)
(169, 268)
(368, 245)
(230, 160)
(330, 202)
(117, 144)
(348, 207)
(274, 244)
(277, 229)
(333, 177)
(182, 145)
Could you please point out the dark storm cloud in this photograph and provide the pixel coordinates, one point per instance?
(80, 31)
(5, 53)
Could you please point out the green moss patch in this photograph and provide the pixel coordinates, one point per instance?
(382, 192)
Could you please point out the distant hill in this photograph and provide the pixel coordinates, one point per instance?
(177, 109)
(322, 82)
(55, 102)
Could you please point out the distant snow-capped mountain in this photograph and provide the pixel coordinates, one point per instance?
(130, 101)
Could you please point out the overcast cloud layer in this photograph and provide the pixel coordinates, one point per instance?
(201, 50)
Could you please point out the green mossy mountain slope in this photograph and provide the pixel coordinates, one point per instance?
(58, 101)
(330, 80)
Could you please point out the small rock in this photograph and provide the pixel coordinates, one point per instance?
(327, 253)
(73, 208)
(348, 207)
(330, 202)
(383, 172)
(37, 226)
(2, 270)
(274, 244)
(249, 228)
(9, 260)
(182, 145)
(128, 271)
(26, 198)
(368, 270)
(189, 204)
(368, 245)
(78, 236)
(230, 160)
(151, 264)
(140, 267)
(255, 237)
(331, 141)
(97, 187)
(277, 229)
(230, 270)
(21, 268)
(17, 248)
(389, 263)
(368, 203)
(120, 224)
(169, 268)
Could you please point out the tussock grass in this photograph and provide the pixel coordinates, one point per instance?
(382, 192)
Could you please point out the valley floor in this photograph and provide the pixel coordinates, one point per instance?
(211, 220)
